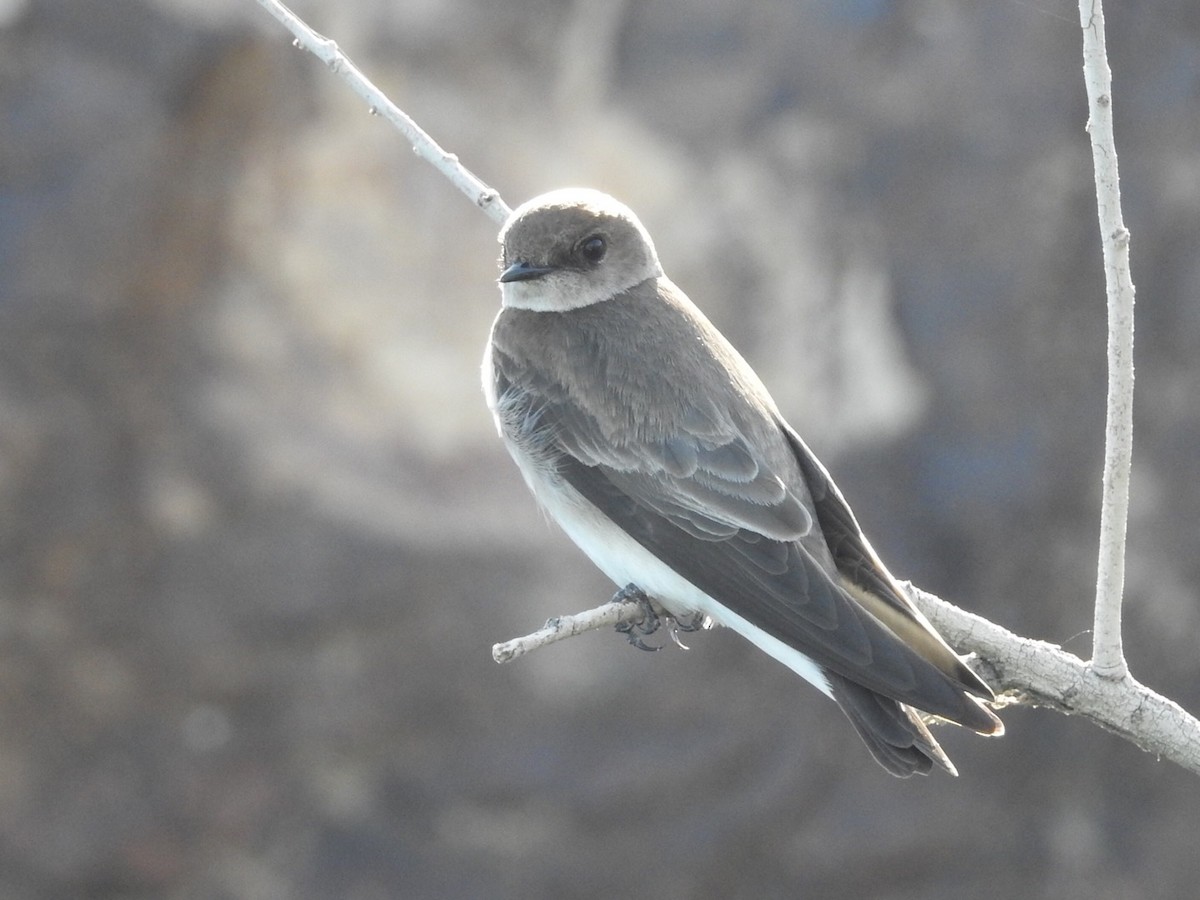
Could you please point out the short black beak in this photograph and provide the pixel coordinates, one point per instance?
(523, 271)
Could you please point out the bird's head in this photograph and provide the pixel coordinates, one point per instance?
(571, 248)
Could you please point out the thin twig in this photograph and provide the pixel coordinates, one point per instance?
(326, 50)
(1108, 657)
(560, 628)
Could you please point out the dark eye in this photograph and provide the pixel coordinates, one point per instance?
(593, 248)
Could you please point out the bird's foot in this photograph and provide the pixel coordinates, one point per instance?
(649, 623)
(652, 620)
(697, 621)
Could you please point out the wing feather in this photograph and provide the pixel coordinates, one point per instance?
(714, 507)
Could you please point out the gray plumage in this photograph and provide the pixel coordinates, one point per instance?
(660, 452)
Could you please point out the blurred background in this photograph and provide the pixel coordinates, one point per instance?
(258, 535)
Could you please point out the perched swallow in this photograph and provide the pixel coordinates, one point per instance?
(654, 445)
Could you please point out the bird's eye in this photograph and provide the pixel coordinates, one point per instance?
(593, 248)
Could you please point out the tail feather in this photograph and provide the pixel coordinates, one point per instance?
(893, 732)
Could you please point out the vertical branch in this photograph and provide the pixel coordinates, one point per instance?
(423, 145)
(1108, 658)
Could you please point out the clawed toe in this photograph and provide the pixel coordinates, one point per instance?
(646, 625)
(651, 620)
(697, 621)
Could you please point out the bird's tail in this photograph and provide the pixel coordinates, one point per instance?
(892, 731)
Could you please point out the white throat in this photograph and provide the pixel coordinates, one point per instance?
(567, 289)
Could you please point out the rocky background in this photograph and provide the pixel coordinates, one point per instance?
(257, 534)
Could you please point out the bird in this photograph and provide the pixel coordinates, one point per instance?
(654, 445)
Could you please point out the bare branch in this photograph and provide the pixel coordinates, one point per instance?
(1036, 673)
(1024, 671)
(560, 628)
(1108, 658)
(423, 145)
